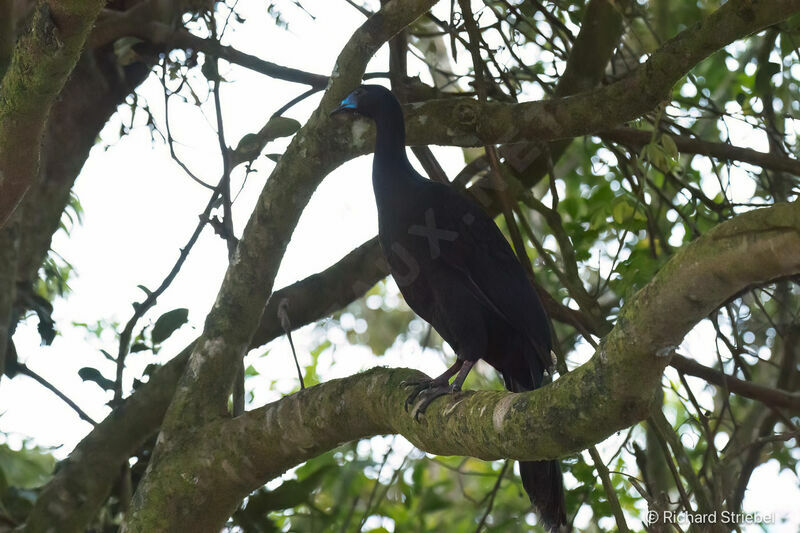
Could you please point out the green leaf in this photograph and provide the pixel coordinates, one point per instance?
(168, 323)
(88, 373)
(279, 127)
(26, 469)
(251, 144)
(655, 154)
(622, 211)
(740, 98)
(670, 148)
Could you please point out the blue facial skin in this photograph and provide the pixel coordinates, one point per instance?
(348, 103)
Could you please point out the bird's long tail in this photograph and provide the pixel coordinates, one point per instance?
(543, 483)
(542, 480)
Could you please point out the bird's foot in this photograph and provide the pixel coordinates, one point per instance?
(425, 391)
(419, 386)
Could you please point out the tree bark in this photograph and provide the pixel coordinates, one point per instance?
(41, 62)
(217, 465)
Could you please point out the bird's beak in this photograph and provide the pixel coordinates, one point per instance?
(344, 107)
(341, 109)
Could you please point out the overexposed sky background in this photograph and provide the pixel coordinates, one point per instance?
(140, 209)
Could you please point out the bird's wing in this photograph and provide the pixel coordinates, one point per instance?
(482, 254)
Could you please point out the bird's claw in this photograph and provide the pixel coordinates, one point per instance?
(416, 382)
(426, 393)
(420, 385)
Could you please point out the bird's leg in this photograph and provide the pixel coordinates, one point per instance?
(431, 393)
(425, 384)
(462, 375)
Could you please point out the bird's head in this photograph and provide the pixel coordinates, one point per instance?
(367, 100)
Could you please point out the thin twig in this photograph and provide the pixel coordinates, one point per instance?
(286, 324)
(225, 189)
(767, 395)
(368, 507)
(361, 9)
(611, 493)
(141, 308)
(24, 370)
(170, 140)
(225, 152)
(492, 495)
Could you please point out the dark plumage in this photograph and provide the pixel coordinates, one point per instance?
(457, 271)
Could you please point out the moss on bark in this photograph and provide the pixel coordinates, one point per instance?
(210, 469)
(42, 59)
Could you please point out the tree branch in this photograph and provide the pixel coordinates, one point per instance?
(610, 392)
(41, 62)
(84, 480)
(6, 34)
(25, 371)
(717, 150)
(353, 145)
(768, 395)
(202, 393)
(467, 122)
(247, 284)
(160, 34)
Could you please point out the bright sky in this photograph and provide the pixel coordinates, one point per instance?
(140, 210)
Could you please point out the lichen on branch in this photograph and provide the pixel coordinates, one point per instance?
(610, 392)
(202, 393)
(42, 59)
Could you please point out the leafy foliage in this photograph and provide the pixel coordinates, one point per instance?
(604, 218)
(22, 472)
(167, 324)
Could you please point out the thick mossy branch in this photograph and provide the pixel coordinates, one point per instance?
(41, 61)
(467, 122)
(6, 34)
(229, 458)
(83, 481)
(610, 392)
(319, 148)
(248, 281)
(8, 267)
(214, 468)
(202, 393)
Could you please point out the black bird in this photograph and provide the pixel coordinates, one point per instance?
(457, 271)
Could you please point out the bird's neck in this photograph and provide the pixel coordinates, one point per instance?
(391, 169)
(390, 144)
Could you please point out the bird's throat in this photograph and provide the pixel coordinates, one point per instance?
(392, 173)
(390, 142)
